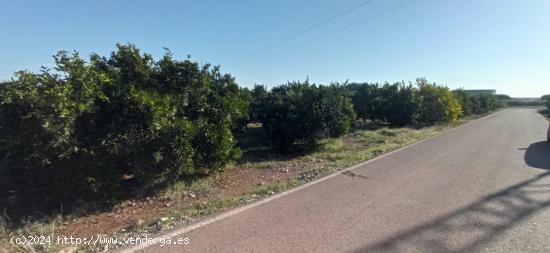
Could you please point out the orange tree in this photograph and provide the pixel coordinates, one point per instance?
(93, 129)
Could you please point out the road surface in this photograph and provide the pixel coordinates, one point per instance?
(483, 187)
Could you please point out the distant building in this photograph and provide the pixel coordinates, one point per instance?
(478, 92)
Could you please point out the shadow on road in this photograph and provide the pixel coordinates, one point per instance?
(473, 226)
(538, 155)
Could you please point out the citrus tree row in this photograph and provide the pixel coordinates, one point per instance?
(98, 127)
(91, 129)
(300, 112)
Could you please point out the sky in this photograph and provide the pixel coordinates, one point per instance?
(474, 44)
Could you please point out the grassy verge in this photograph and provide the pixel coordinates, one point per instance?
(189, 201)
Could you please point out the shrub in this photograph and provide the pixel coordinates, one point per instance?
(259, 96)
(437, 103)
(366, 100)
(546, 99)
(92, 128)
(400, 103)
(487, 103)
(480, 103)
(303, 112)
(335, 107)
(466, 102)
(520, 102)
(502, 97)
(394, 103)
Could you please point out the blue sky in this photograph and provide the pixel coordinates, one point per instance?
(504, 45)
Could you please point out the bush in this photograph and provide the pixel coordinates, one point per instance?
(335, 109)
(394, 103)
(488, 103)
(399, 103)
(93, 129)
(519, 102)
(546, 99)
(479, 103)
(259, 96)
(437, 103)
(366, 100)
(303, 113)
(467, 104)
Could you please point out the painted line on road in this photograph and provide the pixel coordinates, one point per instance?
(237, 210)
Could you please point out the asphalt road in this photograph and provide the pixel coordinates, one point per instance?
(483, 187)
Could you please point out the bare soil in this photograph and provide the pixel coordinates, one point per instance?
(234, 181)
